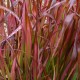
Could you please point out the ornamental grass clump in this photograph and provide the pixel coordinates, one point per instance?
(39, 39)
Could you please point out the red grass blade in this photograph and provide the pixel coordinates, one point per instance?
(35, 59)
(13, 70)
(26, 27)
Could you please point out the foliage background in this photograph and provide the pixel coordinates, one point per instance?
(39, 39)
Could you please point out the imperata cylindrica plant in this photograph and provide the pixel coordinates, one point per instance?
(39, 39)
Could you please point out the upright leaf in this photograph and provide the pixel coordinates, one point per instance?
(26, 27)
(27, 37)
(35, 59)
(13, 70)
